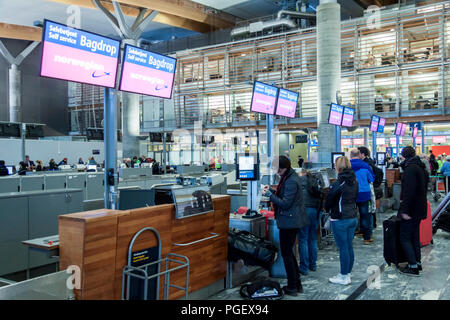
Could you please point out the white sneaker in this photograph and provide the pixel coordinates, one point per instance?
(340, 279)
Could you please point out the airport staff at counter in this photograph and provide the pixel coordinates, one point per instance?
(290, 216)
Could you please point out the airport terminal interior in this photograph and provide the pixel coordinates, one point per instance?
(168, 150)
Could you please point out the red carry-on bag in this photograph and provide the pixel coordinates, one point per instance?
(426, 228)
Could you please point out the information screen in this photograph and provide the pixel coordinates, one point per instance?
(334, 156)
(398, 129)
(246, 167)
(147, 73)
(336, 113)
(381, 158)
(75, 55)
(414, 133)
(381, 125)
(349, 115)
(374, 123)
(264, 98)
(287, 103)
(402, 133)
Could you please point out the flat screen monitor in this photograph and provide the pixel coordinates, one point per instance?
(381, 125)
(287, 103)
(132, 199)
(148, 73)
(402, 133)
(374, 122)
(381, 158)
(11, 170)
(348, 117)
(334, 156)
(80, 56)
(335, 115)
(398, 128)
(414, 132)
(247, 167)
(264, 98)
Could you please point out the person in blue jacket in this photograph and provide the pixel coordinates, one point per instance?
(365, 177)
(445, 169)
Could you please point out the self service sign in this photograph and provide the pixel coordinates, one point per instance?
(75, 55)
(147, 73)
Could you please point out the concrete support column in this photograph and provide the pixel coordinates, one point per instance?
(14, 94)
(328, 72)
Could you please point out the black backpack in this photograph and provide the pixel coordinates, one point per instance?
(378, 176)
(434, 165)
(312, 186)
(262, 290)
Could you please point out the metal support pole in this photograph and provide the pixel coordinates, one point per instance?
(366, 140)
(337, 131)
(269, 125)
(397, 142)
(23, 133)
(110, 141)
(164, 154)
(374, 145)
(423, 138)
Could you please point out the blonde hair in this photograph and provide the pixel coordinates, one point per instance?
(342, 163)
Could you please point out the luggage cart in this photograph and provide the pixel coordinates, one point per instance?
(141, 272)
(441, 187)
(325, 236)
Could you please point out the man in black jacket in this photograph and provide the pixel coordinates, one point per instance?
(413, 209)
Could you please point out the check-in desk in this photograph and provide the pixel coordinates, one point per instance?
(97, 241)
(30, 215)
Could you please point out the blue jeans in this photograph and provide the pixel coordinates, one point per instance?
(343, 232)
(366, 220)
(307, 242)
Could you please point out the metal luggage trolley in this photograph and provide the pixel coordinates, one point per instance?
(131, 272)
(441, 187)
(325, 236)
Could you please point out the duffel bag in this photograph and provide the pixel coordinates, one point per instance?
(255, 251)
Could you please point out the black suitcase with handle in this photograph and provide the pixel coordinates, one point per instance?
(392, 250)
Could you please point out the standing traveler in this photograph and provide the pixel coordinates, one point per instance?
(307, 236)
(377, 190)
(341, 201)
(413, 209)
(290, 216)
(440, 162)
(365, 177)
(300, 161)
(445, 169)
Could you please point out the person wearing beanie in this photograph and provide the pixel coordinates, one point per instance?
(290, 215)
(413, 209)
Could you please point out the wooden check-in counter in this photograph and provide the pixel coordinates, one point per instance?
(97, 241)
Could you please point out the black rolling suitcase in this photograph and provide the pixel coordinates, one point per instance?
(392, 251)
(255, 251)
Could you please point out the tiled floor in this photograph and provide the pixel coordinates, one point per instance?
(434, 284)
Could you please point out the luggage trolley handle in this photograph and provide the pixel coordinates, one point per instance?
(214, 235)
(130, 250)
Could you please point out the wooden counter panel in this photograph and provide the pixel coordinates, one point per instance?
(157, 217)
(222, 215)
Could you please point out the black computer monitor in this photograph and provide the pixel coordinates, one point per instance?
(381, 158)
(247, 166)
(334, 156)
(132, 199)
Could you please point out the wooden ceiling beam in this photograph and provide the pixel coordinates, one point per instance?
(131, 11)
(187, 9)
(14, 31)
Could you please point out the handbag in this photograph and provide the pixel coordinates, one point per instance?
(262, 290)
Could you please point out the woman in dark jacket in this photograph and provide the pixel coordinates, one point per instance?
(341, 200)
(290, 216)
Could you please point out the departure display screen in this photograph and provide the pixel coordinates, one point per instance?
(374, 123)
(287, 103)
(264, 98)
(80, 56)
(336, 113)
(147, 73)
(347, 118)
(381, 125)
